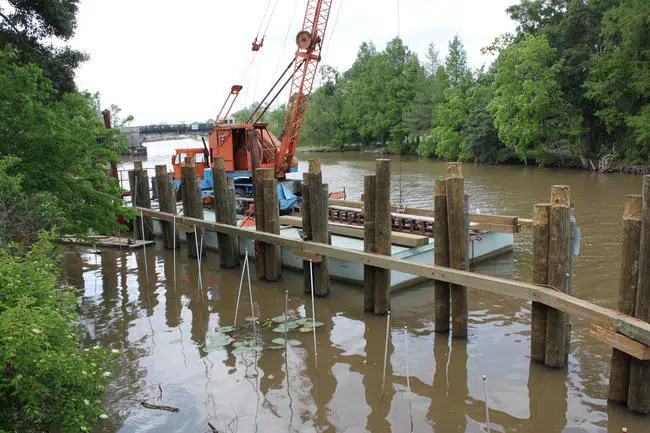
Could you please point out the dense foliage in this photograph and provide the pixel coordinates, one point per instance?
(49, 382)
(571, 87)
(60, 151)
(36, 30)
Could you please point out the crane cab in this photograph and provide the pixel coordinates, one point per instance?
(233, 143)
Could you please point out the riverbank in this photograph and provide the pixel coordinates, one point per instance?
(603, 165)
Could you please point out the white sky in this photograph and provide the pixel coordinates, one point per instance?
(164, 60)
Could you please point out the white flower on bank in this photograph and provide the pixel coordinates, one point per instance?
(86, 402)
(103, 416)
(107, 374)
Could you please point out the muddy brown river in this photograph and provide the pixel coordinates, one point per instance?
(164, 323)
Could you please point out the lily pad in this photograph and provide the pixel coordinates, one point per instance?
(280, 319)
(285, 327)
(306, 329)
(225, 329)
(282, 341)
(252, 319)
(219, 341)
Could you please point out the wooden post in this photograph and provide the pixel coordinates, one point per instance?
(383, 232)
(638, 398)
(306, 230)
(167, 203)
(458, 221)
(272, 253)
(318, 215)
(258, 193)
(619, 376)
(541, 213)
(442, 299)
(225, 212)
(369, 234)
(192, 204)
(139, 182)
(558, 274)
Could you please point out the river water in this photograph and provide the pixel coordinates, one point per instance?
(164, 324)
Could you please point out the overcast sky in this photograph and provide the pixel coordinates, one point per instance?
(164, 60)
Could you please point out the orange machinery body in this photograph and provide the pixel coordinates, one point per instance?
(200, 158)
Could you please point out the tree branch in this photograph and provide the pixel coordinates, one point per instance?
(6, 18)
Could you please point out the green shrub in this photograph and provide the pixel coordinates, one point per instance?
(49, 381)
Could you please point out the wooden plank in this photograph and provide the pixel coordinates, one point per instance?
(398, 238)
(498, 228)
(634, 328)
(315, 258)
(621, 342)
(526, 223)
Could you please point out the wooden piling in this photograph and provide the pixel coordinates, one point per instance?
(305, 213)
(442, 300)
(258, 194)
(458, 224)
(192, 204)
(541, 212)
(383, 232)
(558, 274)
(139, 183)
(369, 192)
(638, 398)
(225, 212)
(167, 203)
(267, 219)
(619, 376)
(318, 215)
(272, 253)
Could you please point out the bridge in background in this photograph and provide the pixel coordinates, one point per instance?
(136, 135)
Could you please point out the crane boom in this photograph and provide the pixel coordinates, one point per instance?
(308, 55)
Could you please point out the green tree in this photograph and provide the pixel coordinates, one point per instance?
(620, 79)
(61, 147)
(456, 63)
(528, 106)
(37, 31)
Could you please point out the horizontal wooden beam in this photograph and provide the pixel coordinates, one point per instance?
(397, 238)
(632, 327)
(621, 342)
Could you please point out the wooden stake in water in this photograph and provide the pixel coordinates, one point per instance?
(286, 319)
(144, 247)
(383, 383)
(487, 407)
(313, 311)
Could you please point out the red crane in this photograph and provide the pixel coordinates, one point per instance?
(232, 141)
(308, 55)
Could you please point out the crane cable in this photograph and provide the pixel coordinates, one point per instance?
(268, 3)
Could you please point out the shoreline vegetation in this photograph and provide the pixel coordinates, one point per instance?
(570, 88)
